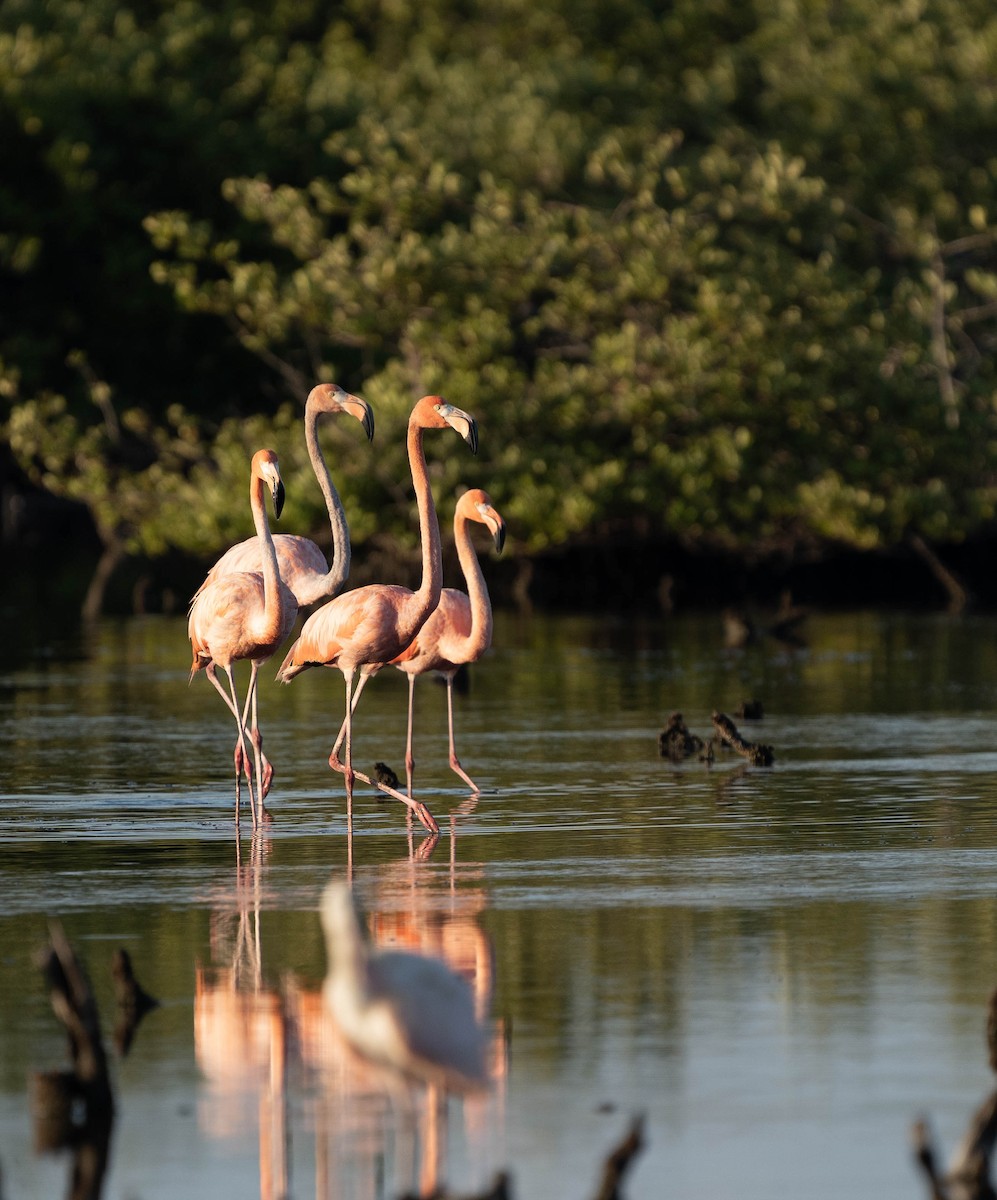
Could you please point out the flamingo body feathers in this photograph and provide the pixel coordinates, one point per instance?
(228, 620)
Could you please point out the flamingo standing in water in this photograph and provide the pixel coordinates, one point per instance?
(302, 564)
(363, 630)
(246, 614)
(459, 630)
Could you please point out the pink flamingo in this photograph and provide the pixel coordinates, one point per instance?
(459, 630)
(302, 564)
(246, 614)
(363, 630)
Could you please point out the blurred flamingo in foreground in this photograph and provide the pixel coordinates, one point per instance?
(365, 629)
(246, 614)
(406, 1011)
(459, 630)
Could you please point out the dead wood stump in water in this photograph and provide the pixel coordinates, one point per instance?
(676, 742)
(756, 753)
(968, 1176)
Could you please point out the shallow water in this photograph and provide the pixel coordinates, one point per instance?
(781, 968)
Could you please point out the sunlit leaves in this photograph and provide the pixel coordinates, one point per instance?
(722, 273)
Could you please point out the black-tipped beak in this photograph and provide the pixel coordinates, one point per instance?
(278, 499)
(363, 413)
(496, 526)
(471, 434)
(461, 421)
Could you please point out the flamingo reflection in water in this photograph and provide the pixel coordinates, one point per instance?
(252, 1037)
(241, 1033)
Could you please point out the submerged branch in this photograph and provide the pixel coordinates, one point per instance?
(757, 754)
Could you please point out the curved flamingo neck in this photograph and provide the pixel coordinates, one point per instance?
(427, 597)
(336, 575)
(480, 637)
(273, 600)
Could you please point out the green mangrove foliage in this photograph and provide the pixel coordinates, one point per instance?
(724, 273)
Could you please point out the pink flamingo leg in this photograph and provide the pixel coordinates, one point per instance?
(334, 760)
(256, 741)
(242, 761)
(347, 769)
(263, 768)
(238, 756)
(454, 760)
(241, 741)
(409, 757)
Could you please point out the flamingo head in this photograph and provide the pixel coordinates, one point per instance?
(267, 470)
(433, 412)
(476, 505)
(331, 398)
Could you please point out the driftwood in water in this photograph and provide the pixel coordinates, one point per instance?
(968, 1176)
(676, 742)
(757, 754)
(619, 1160)
(74, 1108)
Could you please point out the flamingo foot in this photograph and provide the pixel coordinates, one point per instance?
(414, 806)
(243, 763)
(459, 770)
(267, 775)
(425, 816)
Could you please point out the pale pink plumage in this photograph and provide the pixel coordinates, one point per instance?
(366, 628)
(245, 615)
(459, 630)
(302, 564)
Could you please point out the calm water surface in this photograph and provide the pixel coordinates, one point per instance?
(781, 968)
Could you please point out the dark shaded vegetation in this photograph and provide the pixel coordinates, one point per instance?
(719, 283)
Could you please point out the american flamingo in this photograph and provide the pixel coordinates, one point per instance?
(246, 614)
(459, 630)
(363, 630)
(302, 564)
(407, 1011)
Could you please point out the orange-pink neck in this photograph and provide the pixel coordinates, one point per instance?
(480, 637)
(273, 601)
(427, 597)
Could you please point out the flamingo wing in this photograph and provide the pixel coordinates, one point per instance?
(228, 621)
(299, 561)
(440, 645)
